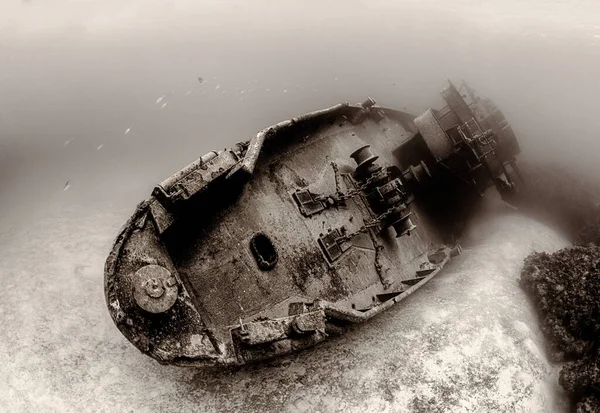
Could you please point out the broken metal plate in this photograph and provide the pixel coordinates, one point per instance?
(162, 218)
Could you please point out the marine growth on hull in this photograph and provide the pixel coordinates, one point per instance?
(317, 222)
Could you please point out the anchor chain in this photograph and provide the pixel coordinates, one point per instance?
(382, 271)
(375, 222)
(340, 197)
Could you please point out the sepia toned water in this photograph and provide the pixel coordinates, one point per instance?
(99, 100)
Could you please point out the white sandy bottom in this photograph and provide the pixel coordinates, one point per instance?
(467, 342)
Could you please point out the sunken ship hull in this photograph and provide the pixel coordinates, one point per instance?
(316, 223)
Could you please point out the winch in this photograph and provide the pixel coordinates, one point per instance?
(384, 192)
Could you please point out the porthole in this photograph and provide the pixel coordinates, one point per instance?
(264, 251)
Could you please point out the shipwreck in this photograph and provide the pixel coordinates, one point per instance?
(317, 222)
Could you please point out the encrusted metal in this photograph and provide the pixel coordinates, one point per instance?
(320, 221)
(154, 289)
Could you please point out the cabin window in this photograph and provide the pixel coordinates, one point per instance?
(264, 251)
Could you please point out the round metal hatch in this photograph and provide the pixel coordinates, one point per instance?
(154, 289)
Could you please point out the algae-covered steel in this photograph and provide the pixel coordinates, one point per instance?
(317, 222)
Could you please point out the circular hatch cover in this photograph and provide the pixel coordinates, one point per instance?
(154, 289)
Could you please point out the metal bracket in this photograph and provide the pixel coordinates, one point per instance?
(307, 203)
(334, 244)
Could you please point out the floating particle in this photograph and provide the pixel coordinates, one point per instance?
(159, 99)
(201, 80)
(67, 185)
(189, 92)
(335, 78)
(267, 90)
(242, 92)
(100, 147)
(284, 90)
(217, 87)
(67, 142)
(164, 105)
(127, 131)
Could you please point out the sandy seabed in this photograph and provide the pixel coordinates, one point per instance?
(466, 342)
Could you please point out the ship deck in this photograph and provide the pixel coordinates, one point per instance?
(210, 244)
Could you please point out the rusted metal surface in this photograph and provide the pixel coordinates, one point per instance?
(168, 183)
(316, 222)
(182, 186)
(268, 331)
(162, 218)
(154, 289)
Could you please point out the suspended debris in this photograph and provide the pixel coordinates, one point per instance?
(127, 131)
(201, 80)
(68, 142)
(67, 186)
(163, 97)
(100, 147)
(164, 105)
